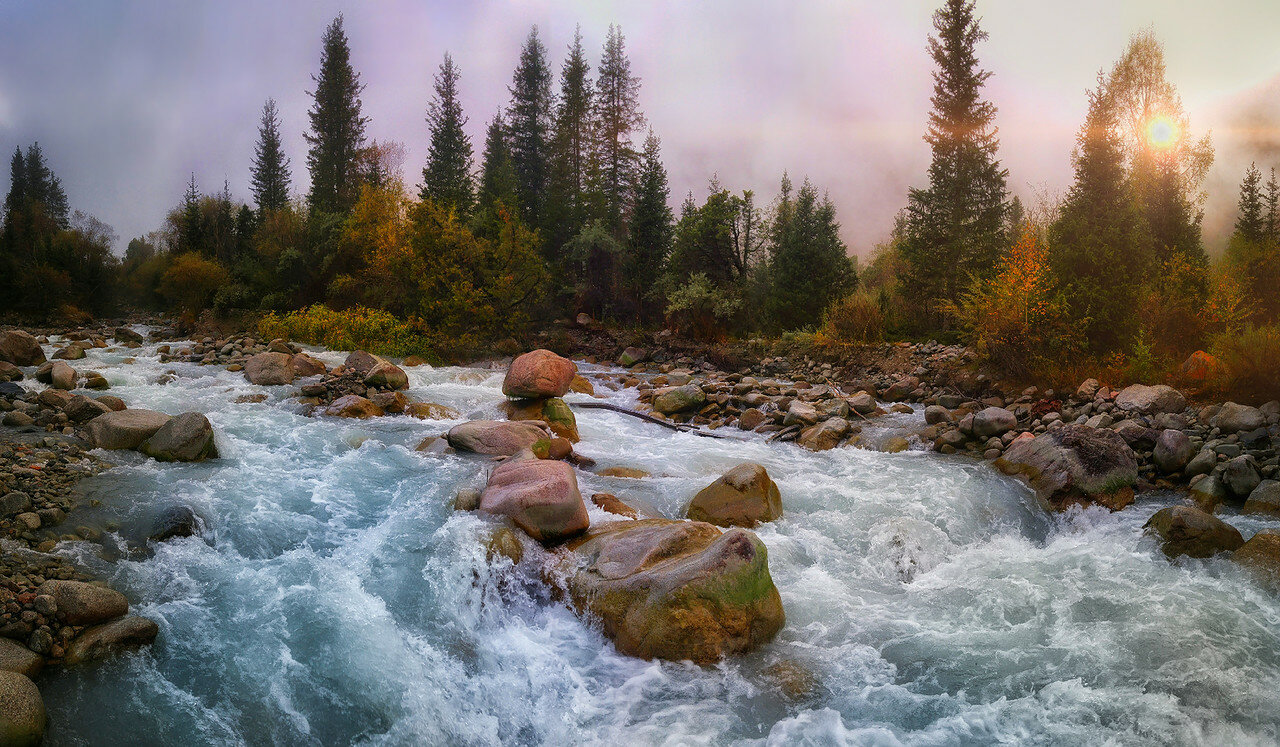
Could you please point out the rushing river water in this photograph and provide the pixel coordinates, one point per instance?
(336, 598)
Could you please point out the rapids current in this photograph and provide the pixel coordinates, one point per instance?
(335, 598)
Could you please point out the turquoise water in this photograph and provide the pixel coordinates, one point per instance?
(336, 599)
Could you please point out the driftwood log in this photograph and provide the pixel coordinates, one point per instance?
(647, 418)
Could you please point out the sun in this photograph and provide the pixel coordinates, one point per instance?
(1162, 132)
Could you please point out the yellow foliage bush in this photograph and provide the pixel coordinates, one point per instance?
(1250, 362)
(856, 318)
(358, 328)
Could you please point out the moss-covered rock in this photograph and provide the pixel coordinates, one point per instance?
(553, 411)
(744, 496)
(1075, 464)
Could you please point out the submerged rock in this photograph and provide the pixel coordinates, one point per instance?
(125, 429)
(495, 437)
(109, 639)
(675, 589)
(538, 374)
(539, 496)
(185, 438)
(1186, 530)
(1075, 464)
(353, 406)
(431, 411)
(1262, 555)
(175, 521)
(743, 496)
(22, 715)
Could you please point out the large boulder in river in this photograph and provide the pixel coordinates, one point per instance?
(825, 435)
(14, 657)
(1186, 530)
(675, 590)
(185, 438)
(1150, 400)
(82, 409)
(553, 411)
(1173, 451)
(1261, 554)
(539, 496)
(22, 715)
(62, 376)
(679, 399)
(387, 375)
(354, 406)
(304, 365)
(1265, 499)
(20, 349)
(537, 374)
(109, 639)
(124, 429)
(495, 437)
(993, 421)
(81, 603)
(744, 496)
(1075, 464)
(361, 362)
(269, 369)
(1233, 418)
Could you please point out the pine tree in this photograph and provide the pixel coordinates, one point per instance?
(1100, 246)
(446, 179)
(651, 229)
(497, 189)
(617, 115)
(1271, 205)
(956, 226)
(17, 196)
(567, 205)
(809, 266)
(270, 172)
(337, 127)
(529, 123)
(1251, 220)
(191, 229)
(44, 188)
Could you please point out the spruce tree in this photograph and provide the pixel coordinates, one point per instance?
(567, 205)
(809, 266)
(1100, 247)
(270, 172)
(191, 229)
(1251, 220)
(497, 189)
(529, 123)
(17, 195)
(337, 127)
(617, 115)
(1271, 206)
(45, 189)
(446, 179)
(956, 226)
(651, 229)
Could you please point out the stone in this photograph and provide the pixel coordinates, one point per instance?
(1135, 434)
(14, 657)
(392, 403)
(1265, 499)
(1173, 451)
(466, 499)
(751, 418)
(495, 437)
(801, 413)
(125, 429)
(678, 399)
(387, 375)
(1233, 418)
(614, 505)
(632, 356)
(1150, 400)
(353, 406)
(863, 403)
(935, 414)
(1209, 493)
(9, 372)
(22, 716)
(269, 369)
(185, 438)
(539, 496)
(1201, 463)
(62, 376)
(553, 411)
(125, 334)
(581, 385)
(825, 435)
(173, 522)
(1185, 530)
(743, 496)
(115, 403)
(1075, 464)
(14, 503)
(993, 421)
(304, 365)
(895, 445)
(20, 349)
(73, 352)
(1240, 476)
(902, 389)
(504, 543)
(1261, 554)
(83, 603)
(835, 408)
(104, 641)
(538, 374)
(431, 411)
(1087, 390)
(675, 590)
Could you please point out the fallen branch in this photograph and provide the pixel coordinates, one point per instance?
(647, 418)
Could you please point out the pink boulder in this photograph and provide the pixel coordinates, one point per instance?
(540, 496)
(539, 374)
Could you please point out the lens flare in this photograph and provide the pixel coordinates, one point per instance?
(1162, 132)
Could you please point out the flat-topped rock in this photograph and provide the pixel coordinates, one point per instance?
(743, 496)
(269, 369)
(495, 437)
(124, 429)
(539, 496)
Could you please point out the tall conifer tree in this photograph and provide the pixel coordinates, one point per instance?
(617, 115)
(337, 127)
(529, 123)
(651, 228)
(1251, 218)
(567, 209)
(446, 179)
(270, 172)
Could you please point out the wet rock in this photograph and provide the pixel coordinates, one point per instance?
(504, 543)
(126, 429)
(1240, 476)
(1075, 464)
(539, 496)
(1265, 499)
(1233, 418)
(581, 385)
(993, 421)
(22, 715)
(751, 418)
(185, 438)
(353, 406)
(1173, 451)
(304, 365)
(538, 374)
(83, 603)
(675, 590)
(173, 522)
(1185, 530)
(553, 411)
(125, 334)
(387, 375)
(269, 369)
(1209, 493)
(20, 349)
(16, 419)
(495, 437)
(9, 372)
(796, 681)
(360, 363)
(14, 503)
(743, 496)
(614, 505)
(14, 657)
(1261, 554)
(863, 403)
(935, 414)
(115, 403)
(72, 352)
(431, 411)
(1150, 400)
(107, 640)
(825, 435)
(466, 499)
(679, 399)
(801, 413)
(62, 376)
(392, 403)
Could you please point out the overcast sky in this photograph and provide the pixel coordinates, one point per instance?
(127, 99)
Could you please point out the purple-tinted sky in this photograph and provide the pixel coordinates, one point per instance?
(128, 98)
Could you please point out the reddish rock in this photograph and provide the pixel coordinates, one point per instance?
(539, 374)
(540, 496)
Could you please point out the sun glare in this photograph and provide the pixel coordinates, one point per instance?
(1162, 131)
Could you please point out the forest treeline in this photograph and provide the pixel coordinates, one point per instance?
(566, 209)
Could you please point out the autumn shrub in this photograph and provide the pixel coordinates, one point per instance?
(1250, 362)
(856, 318)
(191, 280)
(1017, 319)
(358, 328)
